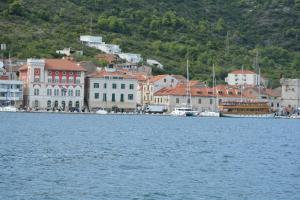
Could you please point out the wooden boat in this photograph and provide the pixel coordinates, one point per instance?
(246, 109)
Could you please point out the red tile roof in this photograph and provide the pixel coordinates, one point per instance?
(220, 91)
(157, 78)
(62, 64)
(242, 72)
(59, 64)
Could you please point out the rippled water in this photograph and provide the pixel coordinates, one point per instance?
(52, 156)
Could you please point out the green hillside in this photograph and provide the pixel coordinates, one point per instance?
(225, 32)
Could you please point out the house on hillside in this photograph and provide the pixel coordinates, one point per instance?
(131, 57)
(244, 77)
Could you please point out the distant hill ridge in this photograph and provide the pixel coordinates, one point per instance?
(228, 33)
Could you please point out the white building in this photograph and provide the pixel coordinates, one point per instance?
(11, 92)
(91, 40)
(112, 90)
(68, 52)
(243, 77)
(155, 63)
(131, 57)
(290, 93)
(109, 48)
(158, 82)
(51, 84)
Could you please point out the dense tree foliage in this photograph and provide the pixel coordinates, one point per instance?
(227, 33)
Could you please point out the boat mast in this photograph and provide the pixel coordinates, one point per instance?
(242, 83)
(188, 87)
(215, 93)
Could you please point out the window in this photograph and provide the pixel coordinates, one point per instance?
(49, 92)
(114, 86)
(56, 92)
(37, 79)
(36, 92)
(122, 98)
(165, 80)
(104, 97)
(49, 73)
(70, 104)
(130, 96)
(122, 86)
(272, 104)
(64, 79)
(71, 80)
(96, 95)
(48, 103)
(56, 73)
(56, 79)
(131, 86)
(177, 100)
(96, 85)
(64, 73)
(77, 104)
(113, 97)
(70, 92)
(77, 81)
(210, 101)
(199, 101)
(49, 79)
(104, 85)
(63, 92)
(172, 80)
(78, 73)
(77, 93)
(277, 105)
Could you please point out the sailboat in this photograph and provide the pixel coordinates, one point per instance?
(214, 112)
(186, 110)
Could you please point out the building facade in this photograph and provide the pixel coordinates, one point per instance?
(290, 93)
(112, 90)
(156, 83)
(11, 92)
(131, 57)
(242, 77)
(53, 84)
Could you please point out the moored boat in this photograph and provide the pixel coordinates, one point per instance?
(184, 111)
(246, 109)
(101, 111)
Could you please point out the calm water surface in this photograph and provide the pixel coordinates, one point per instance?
(52, 156)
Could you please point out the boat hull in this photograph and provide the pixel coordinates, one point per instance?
(209, 114)
(267, 115)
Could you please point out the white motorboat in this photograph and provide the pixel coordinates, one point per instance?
(8, 109)
(184, 111)
(101, 111)
(209, 114)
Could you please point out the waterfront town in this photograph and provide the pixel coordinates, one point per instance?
(127, 86)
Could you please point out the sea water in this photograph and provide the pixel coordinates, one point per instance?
(75, 156)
